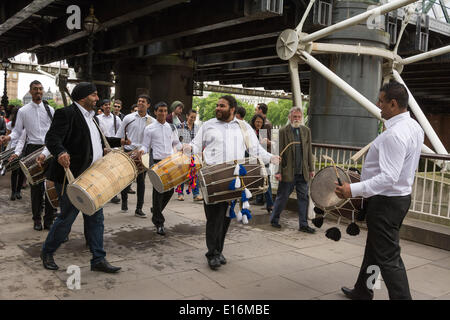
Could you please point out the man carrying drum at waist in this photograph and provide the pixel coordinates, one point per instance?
(36, 118)
(162, 138)
(132, 127)
(75, 142)
(222, 140)
(386, 180)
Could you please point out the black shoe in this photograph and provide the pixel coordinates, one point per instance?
(351, 294)
(37, 226)
(139, 213)
(124, 206)
(13, 197)
(276, 225)
(47, 227)
(66, 239)
(269, 210)
(115, 200)
(48, 262)
(307, 229)
(104, 266)
(131, 191)
(214, 263)
(18, 195)
(222, 259)
(160, 230)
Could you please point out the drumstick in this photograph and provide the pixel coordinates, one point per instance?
(335, 169)
(69, 176)
(289, 144)
(360, 153)
(125, 132)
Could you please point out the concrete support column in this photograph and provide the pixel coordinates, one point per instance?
(163, 78)
(334, 117)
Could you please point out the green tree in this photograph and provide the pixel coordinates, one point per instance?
(15, 102)
(54, 105)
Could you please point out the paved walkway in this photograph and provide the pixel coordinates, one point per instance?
(263, 263)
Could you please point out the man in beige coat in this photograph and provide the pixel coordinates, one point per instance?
(295, 170)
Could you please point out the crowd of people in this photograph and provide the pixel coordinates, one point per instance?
(77, 136)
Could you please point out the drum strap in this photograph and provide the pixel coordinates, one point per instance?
(47, 109)
(103, 136)
(244, 133)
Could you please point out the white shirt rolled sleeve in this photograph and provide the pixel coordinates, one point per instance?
(392, 160)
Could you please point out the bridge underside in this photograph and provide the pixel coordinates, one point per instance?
(229, 41)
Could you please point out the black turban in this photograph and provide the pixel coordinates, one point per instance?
(82, 90)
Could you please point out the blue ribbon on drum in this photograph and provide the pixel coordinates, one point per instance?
(243, 214)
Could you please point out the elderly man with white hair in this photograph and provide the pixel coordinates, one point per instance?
(295, 170)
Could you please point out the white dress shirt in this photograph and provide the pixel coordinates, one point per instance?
(35, 119)
(392, 159)
(97, 149)
(135, 125)
(223, 141)
(161, 138)
(107, 124)
(16, 144)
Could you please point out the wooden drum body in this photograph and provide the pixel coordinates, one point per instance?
(51, 193)
(104, 179)
(323, 196)
(215, 179)
(31, 169)
(172, 171)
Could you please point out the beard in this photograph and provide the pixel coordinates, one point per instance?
(296, 124)
(223, 115)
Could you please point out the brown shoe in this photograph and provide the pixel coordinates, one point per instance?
(180, 197)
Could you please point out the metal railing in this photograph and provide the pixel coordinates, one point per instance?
(431, 189)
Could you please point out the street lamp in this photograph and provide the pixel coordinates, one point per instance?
(5, 64)
(90, 25)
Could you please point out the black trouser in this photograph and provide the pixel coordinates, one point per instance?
(384, 218)
(217, 224)
(159, 202)
(17, 178)
(140, 180)
(38, 194)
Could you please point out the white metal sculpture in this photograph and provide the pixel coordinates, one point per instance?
(299, 47)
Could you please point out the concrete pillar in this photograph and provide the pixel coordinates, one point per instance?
(334, 117)
(164, 78)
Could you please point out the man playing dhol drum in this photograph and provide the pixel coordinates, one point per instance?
(35, 117)
(74, 140)
(162, 138)
(132, 128)
(386, 181)
(222, 139)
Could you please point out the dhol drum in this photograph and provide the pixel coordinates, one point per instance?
(215, 179)
(323, 196)
(172, 171)
(142, 164)
(104, 179)
(32, 171)
(5, 165)
(51, 193)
